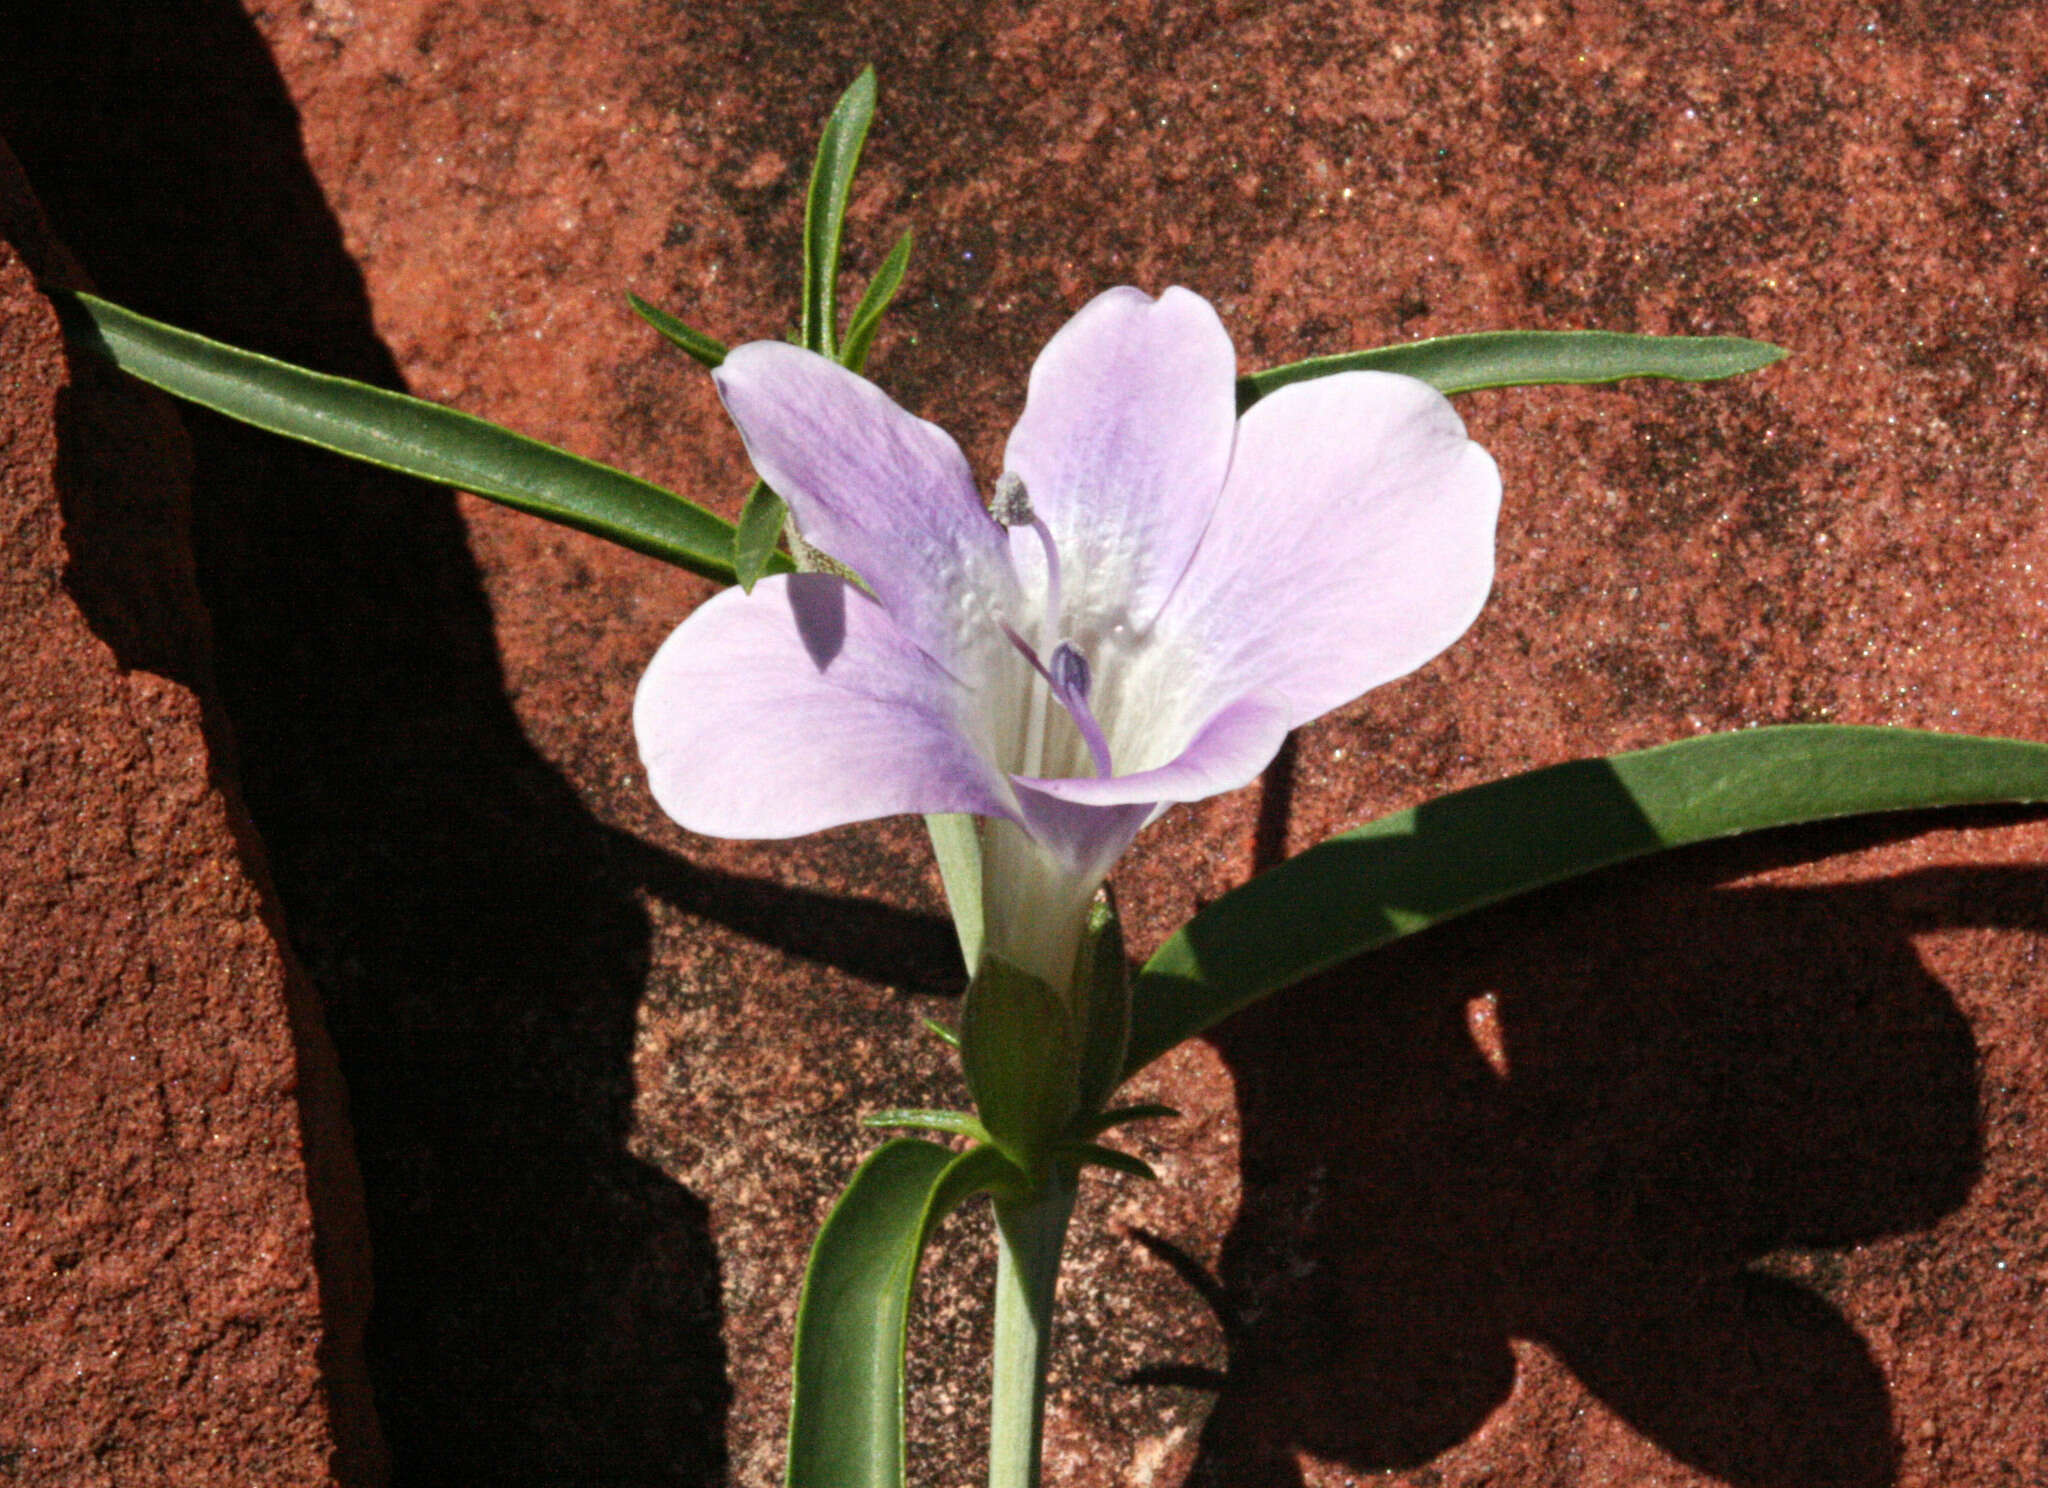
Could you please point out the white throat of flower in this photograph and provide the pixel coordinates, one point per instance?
(1059, 663)
(1035, 907)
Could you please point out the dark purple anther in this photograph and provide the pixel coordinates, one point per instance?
(1070, 674)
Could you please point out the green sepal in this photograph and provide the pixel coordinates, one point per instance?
(1094, 1126)
(1094, 1155)
(1018, 1048)
(1491, 359)
(956, 843)
(950, 1123)
(867, 315)
(405, 434)
(839, 145)
(1102, 988)
(847, 1386)
(754, 540)
(707, 350)
(1461, 852)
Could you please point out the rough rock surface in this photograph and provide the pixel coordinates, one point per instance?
(1721, 1170)
(182, 1280)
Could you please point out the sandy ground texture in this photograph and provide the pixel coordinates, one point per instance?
(183, 1275)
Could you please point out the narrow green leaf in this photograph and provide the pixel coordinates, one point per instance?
(1490, 359)
(1109, 1120)
(1095, 1155)
(951, 1123)
(760, 529)
(846, 1400)
(406, 434)
(941, 1032)
(846, 129)
(1461, 852)
(705, 349)
(867, 315)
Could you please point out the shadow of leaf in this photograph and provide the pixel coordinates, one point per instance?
(1689, 1084)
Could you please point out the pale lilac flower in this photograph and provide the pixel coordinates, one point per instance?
(1171, 589)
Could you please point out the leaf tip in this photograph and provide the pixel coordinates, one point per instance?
(707, 351)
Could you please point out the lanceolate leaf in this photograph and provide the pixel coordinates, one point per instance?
(409, 435)
(951, 1123)
(707, 350)
(1460, 852)
(867, 315)
(846, 1405)
(1095, 1155)
(760, 529)
(825, 210)
(1490, 359)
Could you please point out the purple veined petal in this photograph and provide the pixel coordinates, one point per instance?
(877, 488)
(1124, 442)
(1077, 829)
(1039, 872)
(803, 706)
(1085, 839)
(1352, 543)
(1229, 750)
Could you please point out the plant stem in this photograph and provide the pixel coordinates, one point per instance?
(1030, 1235)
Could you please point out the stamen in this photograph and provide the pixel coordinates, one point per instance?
(1035, 707)
(1070, 681)
(1024, 648)
(1070, 671)
(1011, 506)
(1012, 503)
(1052, 576)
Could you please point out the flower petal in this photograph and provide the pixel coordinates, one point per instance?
(1229, 751)
(1352, 543)
(1124, 443)
(802, 706)
(877, 488)
(1037, 880)
(1084, 839)
(1041, 883)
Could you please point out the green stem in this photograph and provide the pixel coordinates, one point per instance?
(1030, 1234)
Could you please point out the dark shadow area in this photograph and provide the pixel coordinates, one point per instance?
(547, 1307)
(903, 948)
(1276, 807)
(1678, 1089)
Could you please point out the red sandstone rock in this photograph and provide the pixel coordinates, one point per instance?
(1756, 1200)
(170, 1119)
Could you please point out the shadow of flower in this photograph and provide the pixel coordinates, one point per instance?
(1616, 1119)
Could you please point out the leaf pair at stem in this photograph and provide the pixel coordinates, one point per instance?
(1041, 1063)
(755, 541)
